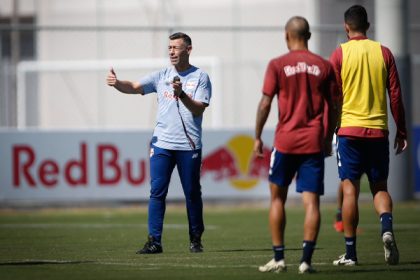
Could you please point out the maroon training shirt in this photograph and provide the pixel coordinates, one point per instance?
(305, 86)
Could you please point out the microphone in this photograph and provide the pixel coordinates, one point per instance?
(174, 80)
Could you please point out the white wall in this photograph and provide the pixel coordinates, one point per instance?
(244, 55)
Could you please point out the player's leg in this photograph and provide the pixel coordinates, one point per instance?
(162, 163)
(312, 217)
(277, 219)
(282, 170)
(188, 164)
(277, 222)
(310, 182)
(378, 175)
(350, 213)
(338, 223)
(310, 230)
(350, 159)
(383, 204)
(378, 170)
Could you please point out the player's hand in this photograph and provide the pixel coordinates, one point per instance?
(400, 145)
(111, 78)
(258, 148)
(177, 86)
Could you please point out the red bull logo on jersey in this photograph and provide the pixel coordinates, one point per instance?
(237, 163)
(301, 67)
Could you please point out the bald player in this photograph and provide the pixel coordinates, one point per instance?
(305, 87)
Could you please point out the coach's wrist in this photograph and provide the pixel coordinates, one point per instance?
(182, 95)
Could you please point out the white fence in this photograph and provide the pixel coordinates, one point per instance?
(73, 94)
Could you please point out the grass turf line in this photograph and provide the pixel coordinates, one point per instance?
(101, 244)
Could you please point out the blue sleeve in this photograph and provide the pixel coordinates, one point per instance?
(203, 93)
(149, 82)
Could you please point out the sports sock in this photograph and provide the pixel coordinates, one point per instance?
(308, 250)
(278, 252)
(386, 222)
(351, 248)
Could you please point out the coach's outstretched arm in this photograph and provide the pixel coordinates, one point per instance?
(123, 86)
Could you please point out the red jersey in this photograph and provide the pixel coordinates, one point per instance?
(305, 87)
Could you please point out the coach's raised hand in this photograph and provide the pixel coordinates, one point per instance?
(123, 86)
(111, 79)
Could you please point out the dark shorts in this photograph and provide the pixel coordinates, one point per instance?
(356, 157)
(309, 171)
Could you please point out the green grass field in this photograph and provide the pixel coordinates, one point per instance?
(101, 243)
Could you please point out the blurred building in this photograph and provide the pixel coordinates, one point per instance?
(55, 55)
(71, 44)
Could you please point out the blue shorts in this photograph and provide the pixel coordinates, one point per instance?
(309, 171)
(358, 156)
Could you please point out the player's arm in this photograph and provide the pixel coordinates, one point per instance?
(332, 109)
(195, 107)
(123, 86)
(270, 87)
(336, 60)
(396, 103)
(263, 111)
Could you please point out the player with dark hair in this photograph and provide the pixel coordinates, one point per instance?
(183, 93)
(305, 86)
(366, 70)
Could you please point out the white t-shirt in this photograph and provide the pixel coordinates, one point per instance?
(169, 132)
